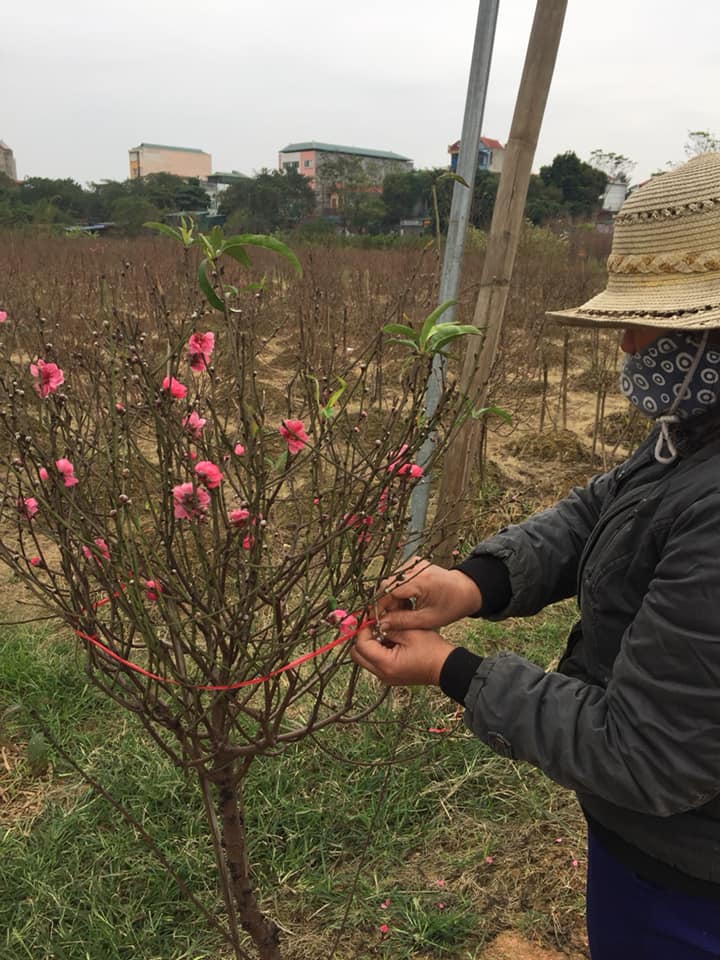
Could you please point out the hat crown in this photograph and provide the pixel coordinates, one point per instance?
(664, 268)
(694, 182)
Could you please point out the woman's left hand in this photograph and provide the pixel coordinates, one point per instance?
(411, 657)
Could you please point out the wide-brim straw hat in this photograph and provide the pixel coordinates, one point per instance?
(664, 268)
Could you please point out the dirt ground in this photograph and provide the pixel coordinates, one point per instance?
(512, 946)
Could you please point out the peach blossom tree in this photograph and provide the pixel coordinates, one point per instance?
(204, 521)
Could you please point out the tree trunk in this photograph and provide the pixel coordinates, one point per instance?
(264, 933)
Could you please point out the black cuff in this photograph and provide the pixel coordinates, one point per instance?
(457, 672)
(493, 580)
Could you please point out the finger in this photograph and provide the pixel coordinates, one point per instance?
(371, 655)
(407, 572)
(424, 618)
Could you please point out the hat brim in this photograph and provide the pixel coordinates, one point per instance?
(706, 319)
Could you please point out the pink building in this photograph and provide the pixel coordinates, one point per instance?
(159, 158)
(307, 159)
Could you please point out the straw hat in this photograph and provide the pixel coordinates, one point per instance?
(664, 268)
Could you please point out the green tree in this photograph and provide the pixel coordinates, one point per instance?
(580, 184)
(272, 200)
(130, 213)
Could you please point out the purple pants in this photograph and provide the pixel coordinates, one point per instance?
(629, 918)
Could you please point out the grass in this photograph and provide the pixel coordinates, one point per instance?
(455, 842)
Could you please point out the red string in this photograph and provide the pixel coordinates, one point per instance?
(344, 636)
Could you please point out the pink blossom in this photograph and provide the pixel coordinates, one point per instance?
(200, 348)
(439, 883)
(364, 523)
(398, 458)
(384, 928)
(120, 407)
(248, 542)
(191, 502)
(3, 316)
(293, 433)
(209, 473)
(48, 377)
(153, 589)
(344, 620)
(414, 469)
(177, 390)
(67, 470)
(489, 860)
(238, 449)
(441, 906)
(43, 474)
(102, 547)
(27, 507)
(575, 863)
(35, 561)
(385, 904)
(194, 424)
(383, 501)
(239, 517)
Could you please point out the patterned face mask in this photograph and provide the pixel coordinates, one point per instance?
(653, 378)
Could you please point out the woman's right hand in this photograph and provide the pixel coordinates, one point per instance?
(423, 596)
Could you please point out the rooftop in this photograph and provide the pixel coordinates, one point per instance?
(339, 148)
(165, 146)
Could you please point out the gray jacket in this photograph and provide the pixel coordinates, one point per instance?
(631, 718)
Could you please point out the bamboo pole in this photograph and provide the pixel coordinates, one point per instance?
(499, 261)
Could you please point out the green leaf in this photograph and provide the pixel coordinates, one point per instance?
(328, 410)
(269, 243)
(432, 319)
(400, 328)
(492, 411)
(212, 298)
(453, 176)
(216, 240)
(408, 343)
(443, 333)
(164, 228)
(237, 252)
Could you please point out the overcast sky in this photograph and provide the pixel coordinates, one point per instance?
(82, 81)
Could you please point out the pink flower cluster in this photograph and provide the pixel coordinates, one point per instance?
(402, 467)
(48, 377)
(101, 546)
(66, 470)
(346, 622)
(293, 433)
(177, 390)
(200, 348)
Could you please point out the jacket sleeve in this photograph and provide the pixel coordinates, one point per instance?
(649, 742)
(542, 553)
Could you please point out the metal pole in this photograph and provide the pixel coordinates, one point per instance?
(455, 244)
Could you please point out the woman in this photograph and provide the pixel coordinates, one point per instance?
(631, 718)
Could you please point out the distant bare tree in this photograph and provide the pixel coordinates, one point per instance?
(701, 141)
(615, 165)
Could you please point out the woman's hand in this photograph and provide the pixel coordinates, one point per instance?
(412, 656)
(422, 596)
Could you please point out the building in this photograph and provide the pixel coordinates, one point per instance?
(217, 183)
(308, 157)
(490, 155)
(7, 161)
(160, 158)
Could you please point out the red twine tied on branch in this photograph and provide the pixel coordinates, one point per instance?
(346, 635)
